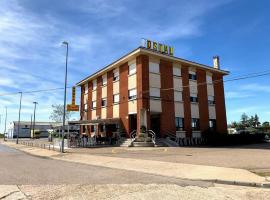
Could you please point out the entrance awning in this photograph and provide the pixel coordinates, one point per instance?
(95, 121)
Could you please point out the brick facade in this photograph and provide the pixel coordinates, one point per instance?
(167, 120)
(110, 94)
(220, 103)
(167, 114)
(123, 110)
(203, 100)
(186, 99)
(142, 65)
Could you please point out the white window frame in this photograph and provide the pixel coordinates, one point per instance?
(132, 94)
(116, 75)
(154, 67)
(211, 100)
(114, 98)
(94, 104)
(209, 79)
(105, 100)
(104, 79)
(132, 69)
(194, 96)
(154, 92)
(94, 82)
(85, 107)
(177, 71)
(178, 96)
(86, 88)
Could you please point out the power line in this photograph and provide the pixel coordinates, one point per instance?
(247, 76)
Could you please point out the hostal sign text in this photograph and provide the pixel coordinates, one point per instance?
(162, 48)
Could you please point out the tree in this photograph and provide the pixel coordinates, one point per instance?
(256, 121)
(244, 120)
(57, 113)
(266, 124)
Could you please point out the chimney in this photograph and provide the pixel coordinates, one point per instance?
(216, 62)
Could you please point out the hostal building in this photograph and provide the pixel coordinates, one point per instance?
(166, 94)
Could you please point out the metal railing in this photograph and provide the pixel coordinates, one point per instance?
(153, 135)
(133, 135)
(171, 135)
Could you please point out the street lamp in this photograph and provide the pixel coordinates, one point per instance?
(5, 126)
(34, 118)
(19, 122)
(65, 96)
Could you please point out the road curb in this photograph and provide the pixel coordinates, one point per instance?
(218, 181)
(240, 183)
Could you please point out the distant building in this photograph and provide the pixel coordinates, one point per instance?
(26, 129)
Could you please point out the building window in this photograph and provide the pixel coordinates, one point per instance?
(93, 128)
(94, 104)
(177, 96)
(176, 71)
(116, 75)
(132, 69)
(209, 79)
(104, 79)
(132, 94)
(86, 88)
(212, 124)
(192, 76)
(153, 67)
(194, 98)
(195, 124)
(102, 128)
(211, 100)
(155, 92)
(116, 98)
(103, 102)
(94, 84)
(85, 107)
(179, 123)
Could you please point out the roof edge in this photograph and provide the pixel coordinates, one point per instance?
(145, 50)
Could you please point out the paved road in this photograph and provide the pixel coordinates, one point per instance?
(20, 169)
(254, 157)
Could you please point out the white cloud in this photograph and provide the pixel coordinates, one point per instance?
(237, 95)
(255, 87)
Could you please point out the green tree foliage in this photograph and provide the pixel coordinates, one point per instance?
(248, 122)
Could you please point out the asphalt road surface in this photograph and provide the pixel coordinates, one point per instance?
(18, 168)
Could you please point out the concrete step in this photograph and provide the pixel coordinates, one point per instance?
(143, 144)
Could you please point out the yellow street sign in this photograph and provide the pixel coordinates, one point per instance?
(71, 107)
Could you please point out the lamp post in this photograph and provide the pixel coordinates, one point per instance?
(31, 125)
(34, 123)
(5, 126)
(19, 122)
(65, 96)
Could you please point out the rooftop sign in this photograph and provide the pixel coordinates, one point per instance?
(156, 46)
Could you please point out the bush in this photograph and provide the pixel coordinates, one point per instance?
(221, 139)
(1, 135)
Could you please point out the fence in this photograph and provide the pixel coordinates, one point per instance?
(49, 146)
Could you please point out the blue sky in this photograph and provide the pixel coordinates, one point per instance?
(100, 31)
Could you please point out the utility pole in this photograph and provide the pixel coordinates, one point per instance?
(5, 126)
(19, 122)
(34, 135)
(65, 96)
(31, 126)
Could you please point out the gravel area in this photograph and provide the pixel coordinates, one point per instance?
(136, 192)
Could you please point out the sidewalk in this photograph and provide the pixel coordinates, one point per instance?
(169, 169)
